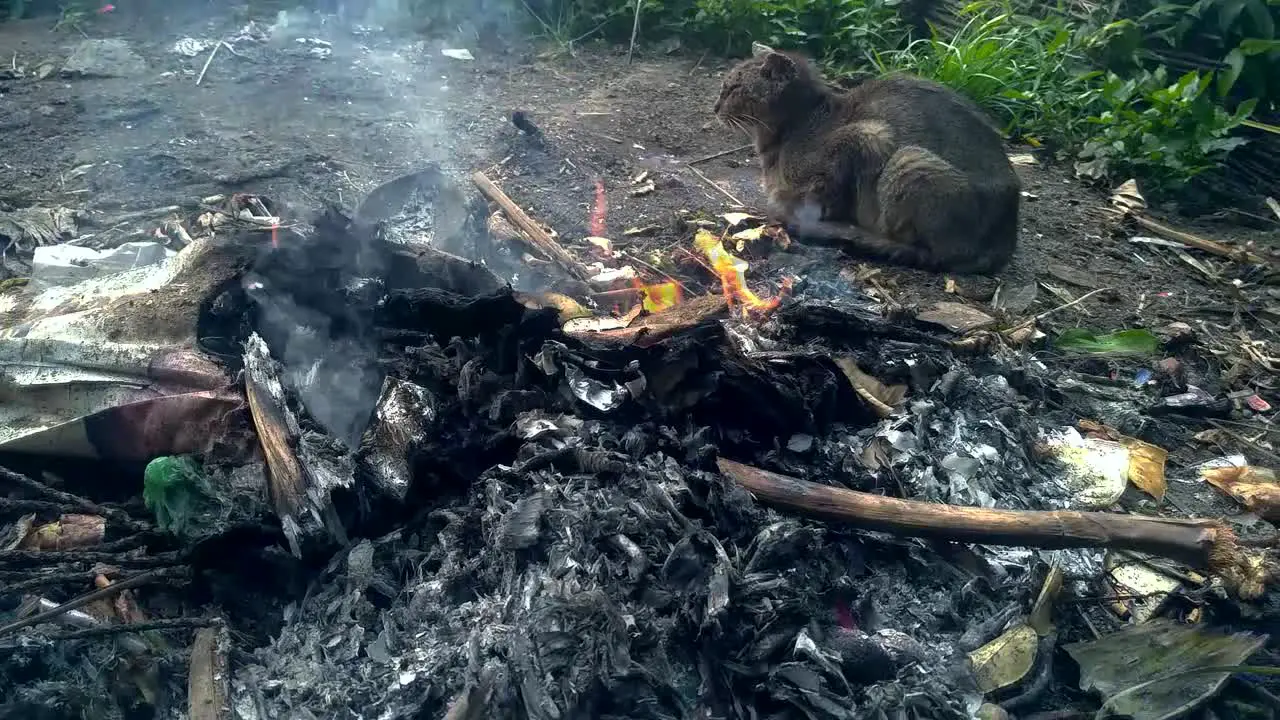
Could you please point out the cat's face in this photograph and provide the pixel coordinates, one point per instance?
(754, 93)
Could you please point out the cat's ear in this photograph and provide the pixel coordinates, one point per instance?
(759, 49)
(778, 65)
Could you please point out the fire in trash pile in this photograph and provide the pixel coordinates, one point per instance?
(438, 496)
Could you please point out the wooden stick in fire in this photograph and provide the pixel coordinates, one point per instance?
(538, 238)
(1204, 544)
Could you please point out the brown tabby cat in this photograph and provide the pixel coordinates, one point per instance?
(897, 167)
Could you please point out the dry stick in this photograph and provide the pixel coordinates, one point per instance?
(112, 514)
(1199, 243)
(720, 154)
(205, 69)
(89, 597)
(1207, 544)
(708, 181)
(537, 238)
(635, 29)
(208, 682)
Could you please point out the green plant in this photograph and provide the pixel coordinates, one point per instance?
(1028, 72)
(1239, 40)
(1165, 133)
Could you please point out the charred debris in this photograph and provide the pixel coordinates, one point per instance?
(442, 494)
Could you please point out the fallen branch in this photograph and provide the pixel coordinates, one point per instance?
(537, 238)
(1199, 243)
(1204, 544)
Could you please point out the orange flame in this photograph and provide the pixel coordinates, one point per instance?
(732, 273)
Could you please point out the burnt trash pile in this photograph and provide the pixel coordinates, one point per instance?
(442, 496)
(557, 542)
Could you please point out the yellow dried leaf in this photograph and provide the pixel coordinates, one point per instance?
(749, 235)
(882, 398)
(1254, 487)
(1146, 466)
(1005, 661)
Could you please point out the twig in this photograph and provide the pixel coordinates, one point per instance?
(205, 69)
(720, 154)
(120, 629)
(1077, 301)
(1199, 243)
(698, 64)
(537, 238)
(1205, 544)
(45, 557)
(708, 181)
(101, 593)
(35, 486)
(635, 29)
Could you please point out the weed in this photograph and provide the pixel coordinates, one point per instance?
(1165, 133)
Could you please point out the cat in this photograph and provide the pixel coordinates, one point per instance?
(896, 167)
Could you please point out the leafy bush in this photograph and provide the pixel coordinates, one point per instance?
(1165, 133)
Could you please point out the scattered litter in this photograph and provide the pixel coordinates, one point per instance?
(62, 265)
(457, 53)
(1074, 276)
(1016, 299)
(644, 189)
(191, 47)
(104, 58)
(883, 399)
(1122, 342)
(957, 317)
(1147, 240)
(1123, 665)
(1139, 587)
(612, 275)
(1127, 198)
(32, 227)
(1097, 470)
(1254, 487)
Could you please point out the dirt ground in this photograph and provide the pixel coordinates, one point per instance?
(273, 118)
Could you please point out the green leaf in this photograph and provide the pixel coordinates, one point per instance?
(1123, 342)
(1258, 46)
(1227, 78)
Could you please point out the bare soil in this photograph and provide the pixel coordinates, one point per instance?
(275, 119)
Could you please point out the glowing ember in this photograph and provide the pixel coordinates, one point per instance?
(598, 214)
(732, 273)
(662, 296)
